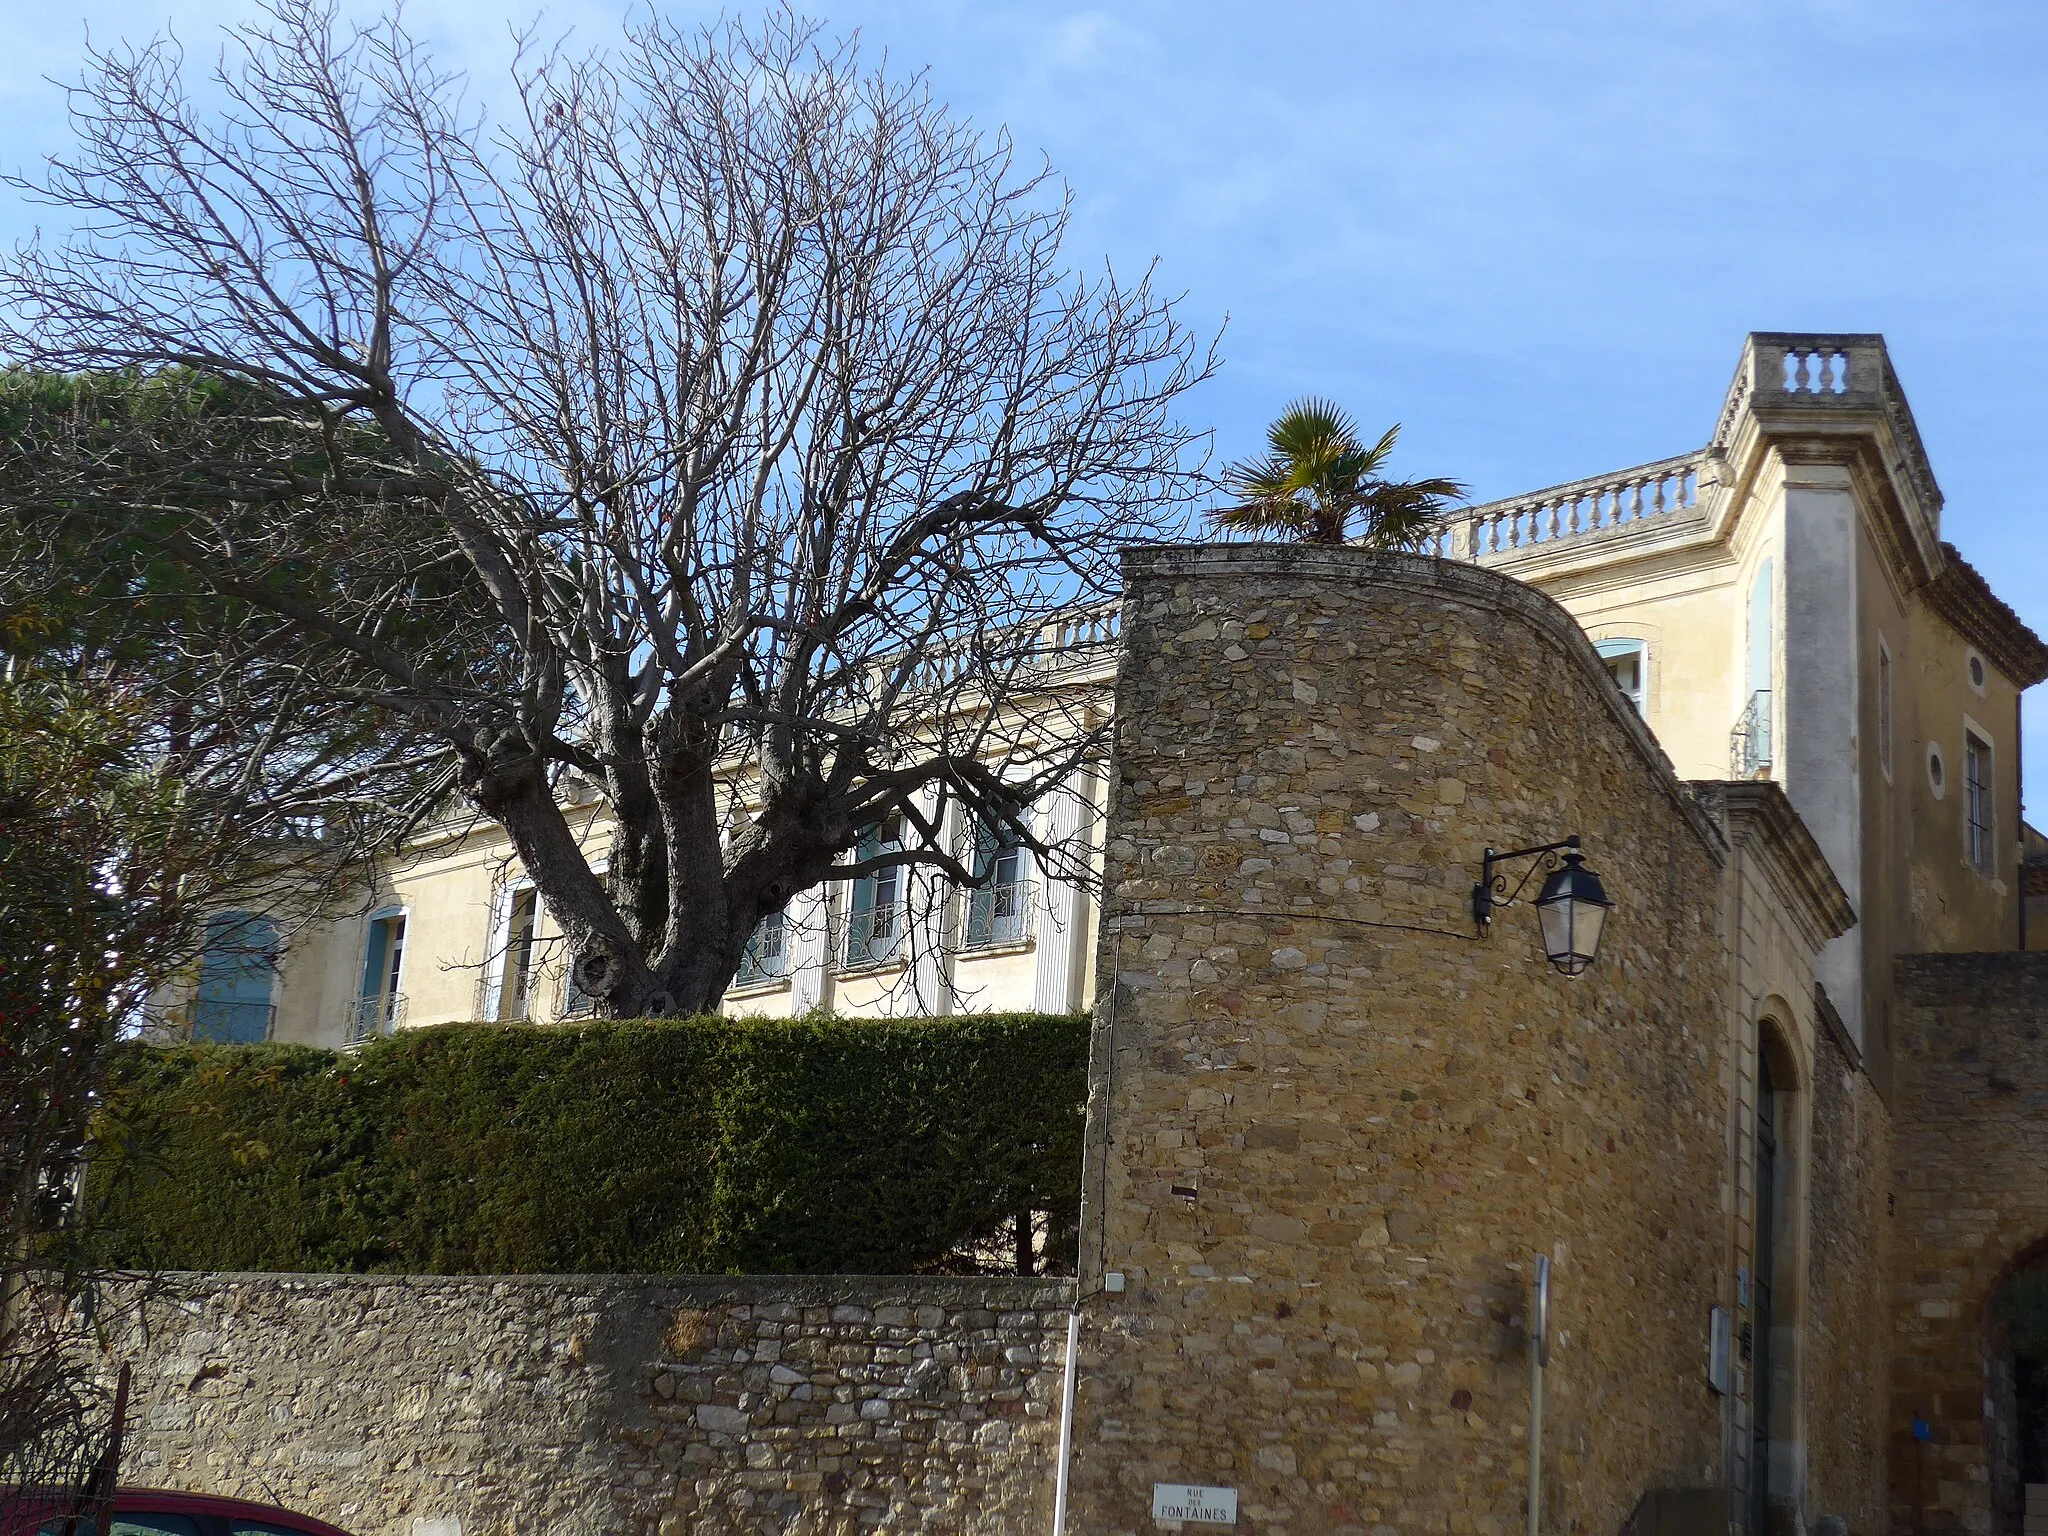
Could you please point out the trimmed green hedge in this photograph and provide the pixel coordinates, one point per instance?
(696, 1146)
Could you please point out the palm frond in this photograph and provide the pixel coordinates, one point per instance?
(1319, 474)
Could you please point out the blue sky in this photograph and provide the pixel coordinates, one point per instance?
(1534, 234)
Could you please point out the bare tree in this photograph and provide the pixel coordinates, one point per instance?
(749, 426)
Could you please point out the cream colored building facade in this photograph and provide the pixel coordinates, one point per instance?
(1779, 605)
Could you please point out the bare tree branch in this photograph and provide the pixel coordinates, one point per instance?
(748, 389)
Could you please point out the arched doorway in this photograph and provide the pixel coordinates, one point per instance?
(1764, 1253)
(2016, 1394)
(1771, 1336)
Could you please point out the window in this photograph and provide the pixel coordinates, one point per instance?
(874, 917)
(1977, 802)
(576, 1003)
(1756, 711)
(1976, 670)
(1884, 707)
(766, 954)
(237, 972)
(1625, 664)
(998, 903)
(380, 1004)
(515, 998)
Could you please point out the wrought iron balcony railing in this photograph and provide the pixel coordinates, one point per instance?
(766, 957)
(1749, 744)
(875, 936)
(997, 915)
(370, 1016)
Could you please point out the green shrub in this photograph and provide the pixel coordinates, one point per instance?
(702, 1146)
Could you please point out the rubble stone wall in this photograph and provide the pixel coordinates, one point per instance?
(1330, 1127)
(1845, 1373)
(605, 1406)
(1971, 1176)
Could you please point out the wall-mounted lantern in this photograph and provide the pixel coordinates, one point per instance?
(1571, 909)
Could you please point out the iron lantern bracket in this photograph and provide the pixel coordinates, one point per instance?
(1492, 890)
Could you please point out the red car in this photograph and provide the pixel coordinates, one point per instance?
(159, 1512)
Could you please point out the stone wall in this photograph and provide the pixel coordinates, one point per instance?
(1780, 902)
(1329, 1127)
(604, 1406)
(1971, 1177)
(1845, 1372)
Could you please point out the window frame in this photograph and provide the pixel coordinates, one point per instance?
(752, 973)
(1616, 647)
(521, 890)
(992, 846)
(1980, 800)
(885, 891)
(390, 996)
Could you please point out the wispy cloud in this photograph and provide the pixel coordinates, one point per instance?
(1533, 233)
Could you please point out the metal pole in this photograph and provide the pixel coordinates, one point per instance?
(108, 1474)
(1539, 1351)
(1059, 1489)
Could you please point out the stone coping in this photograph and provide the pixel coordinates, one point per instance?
(1759, 813)
(2027, 965)
(996, 1292)
(1431, 576)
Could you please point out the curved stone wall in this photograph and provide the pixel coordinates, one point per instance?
(1330, 1129)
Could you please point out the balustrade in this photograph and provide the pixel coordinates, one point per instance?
(1815, 367)
(1667, 488)
(1085, 626)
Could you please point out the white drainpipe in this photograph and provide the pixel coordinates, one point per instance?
(1059, 1491)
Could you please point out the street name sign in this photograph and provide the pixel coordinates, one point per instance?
(1188, 1502)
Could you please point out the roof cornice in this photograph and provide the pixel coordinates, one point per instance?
(1759, 820)
(1963, 597)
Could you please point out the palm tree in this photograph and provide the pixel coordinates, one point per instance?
(1319, 475)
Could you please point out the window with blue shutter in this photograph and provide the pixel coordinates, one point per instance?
(874, 912)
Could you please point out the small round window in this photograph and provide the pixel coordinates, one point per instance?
(1937, 778)
(1976, 671)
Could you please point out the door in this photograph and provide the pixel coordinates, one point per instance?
(1764, 1259)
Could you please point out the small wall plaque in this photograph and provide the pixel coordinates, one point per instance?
(1717, 1350)
(1191, 1504)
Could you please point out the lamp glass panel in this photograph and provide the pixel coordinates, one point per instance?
(1587, 920)
(1556, 918)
